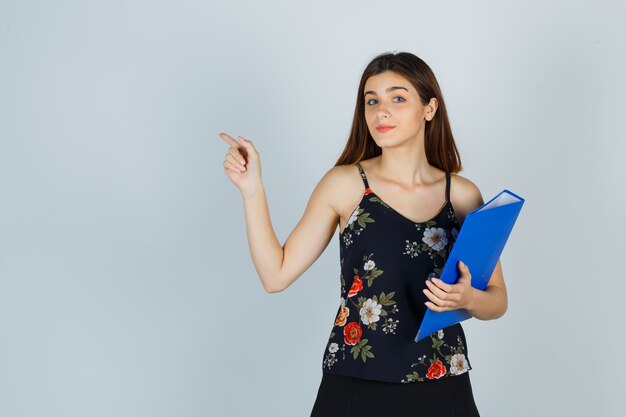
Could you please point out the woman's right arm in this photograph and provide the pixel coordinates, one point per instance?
(279, 266)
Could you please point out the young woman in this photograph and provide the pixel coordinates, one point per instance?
(399, 204)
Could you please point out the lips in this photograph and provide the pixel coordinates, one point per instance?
(384, 128)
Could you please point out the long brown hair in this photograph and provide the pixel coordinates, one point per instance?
(440, 148)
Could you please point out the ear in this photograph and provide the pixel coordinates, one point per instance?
(431, 108)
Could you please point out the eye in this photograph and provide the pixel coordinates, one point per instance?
(401, 98)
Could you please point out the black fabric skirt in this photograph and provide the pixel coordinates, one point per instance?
(344, 396)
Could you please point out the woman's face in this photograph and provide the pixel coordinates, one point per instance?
(390, 99)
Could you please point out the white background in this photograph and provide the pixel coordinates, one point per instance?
(126, 284)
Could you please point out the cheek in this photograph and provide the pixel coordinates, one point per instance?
(410, 115)
(370, 119)
(412, 120)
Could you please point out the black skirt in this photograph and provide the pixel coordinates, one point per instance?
(344, 396)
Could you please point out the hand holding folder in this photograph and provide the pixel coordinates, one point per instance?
(479, 245)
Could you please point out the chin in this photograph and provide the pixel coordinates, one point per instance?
(385, 142)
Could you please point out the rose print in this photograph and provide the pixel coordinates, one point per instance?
(371, 310)
(352, 333)
(342, 316)
(357, 285)
(436, 370)
(366, 319)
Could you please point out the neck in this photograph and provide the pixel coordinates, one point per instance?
(407, 166)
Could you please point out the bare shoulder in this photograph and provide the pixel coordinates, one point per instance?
(335, 182)
(464, 195)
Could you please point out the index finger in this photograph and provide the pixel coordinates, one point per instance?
(229, 140)
(443, 285)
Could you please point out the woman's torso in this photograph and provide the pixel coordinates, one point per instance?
(385, 258)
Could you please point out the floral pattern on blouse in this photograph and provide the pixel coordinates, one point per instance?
(455, 360)
(436, 243)
(366, 312)
(360, 217)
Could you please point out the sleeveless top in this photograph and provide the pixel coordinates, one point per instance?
(385, 260)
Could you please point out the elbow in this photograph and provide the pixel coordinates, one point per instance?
(274, 281)
(505, 304)
(506, 307)
(497, 315)
(272, 288)
(501, 305)
(278, 283)
(502, 310)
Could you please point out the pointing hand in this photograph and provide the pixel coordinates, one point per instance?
(242, 163)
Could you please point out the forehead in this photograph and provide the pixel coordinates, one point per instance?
(382, 81)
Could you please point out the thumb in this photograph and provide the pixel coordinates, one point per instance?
(245, 142)
(466, 277)
(249, 147)
(464, 269)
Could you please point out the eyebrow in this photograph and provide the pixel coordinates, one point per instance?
(387, 90)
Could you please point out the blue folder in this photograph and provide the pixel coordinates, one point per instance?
(479, 245)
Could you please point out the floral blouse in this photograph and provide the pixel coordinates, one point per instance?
(385, 259)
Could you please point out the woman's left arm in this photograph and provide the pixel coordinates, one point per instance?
(484, 305)
(491, 303)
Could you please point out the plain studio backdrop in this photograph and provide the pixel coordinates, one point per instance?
(126, 282)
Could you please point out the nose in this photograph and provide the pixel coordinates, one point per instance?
(382, 114)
